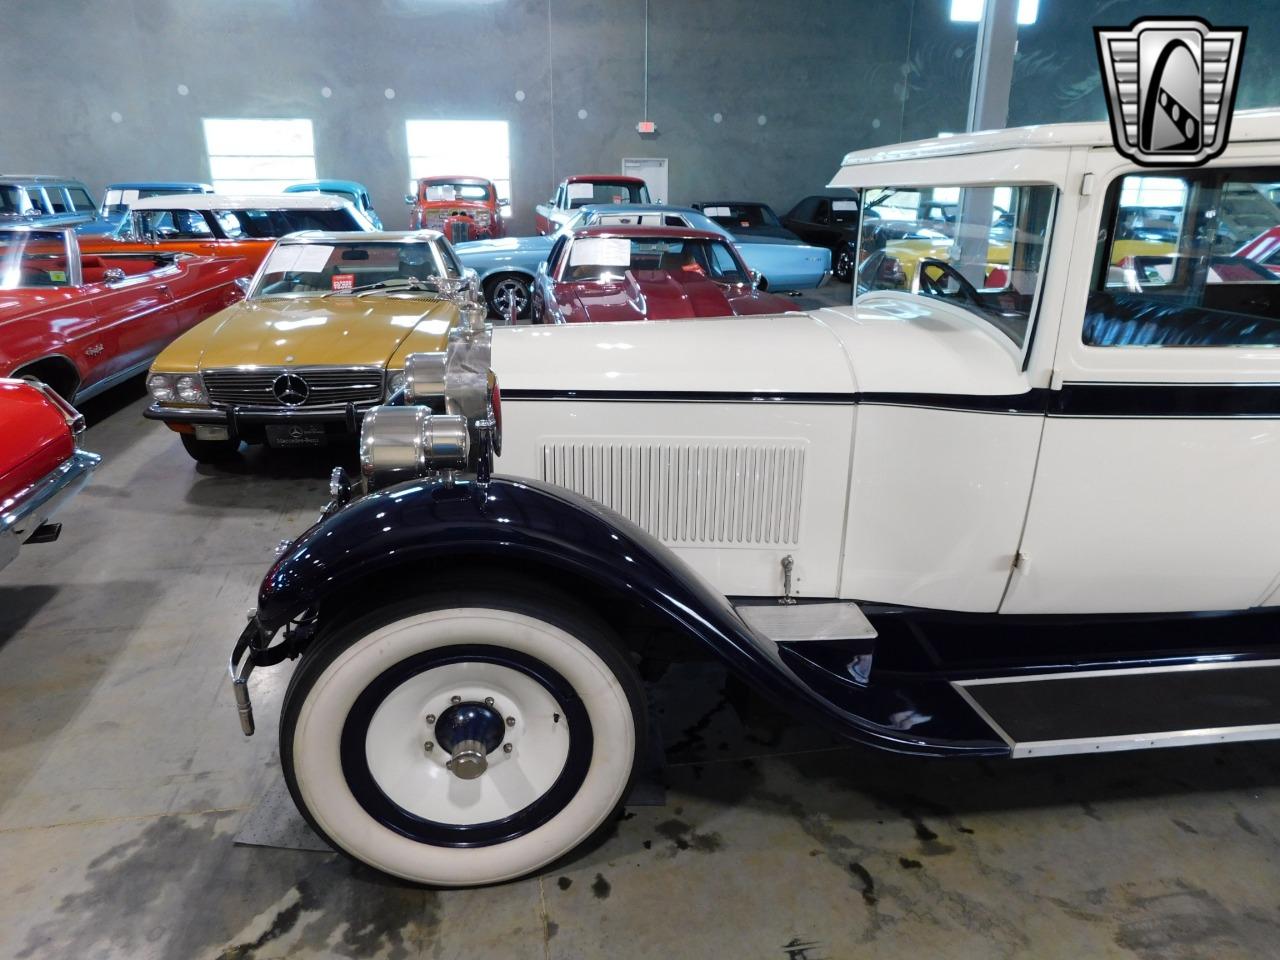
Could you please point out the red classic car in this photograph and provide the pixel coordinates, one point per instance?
(1264, 249)
(583, 189)
(222, 225)
(646, 273)
(41, 463)
(462, 208)
(82, 322)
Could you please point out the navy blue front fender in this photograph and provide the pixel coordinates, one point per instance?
(545, 529)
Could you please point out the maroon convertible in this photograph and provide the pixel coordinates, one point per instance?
(646, 273)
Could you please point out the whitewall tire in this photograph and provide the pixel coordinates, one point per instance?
(462, 740)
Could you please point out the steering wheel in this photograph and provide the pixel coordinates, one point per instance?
(933, 286)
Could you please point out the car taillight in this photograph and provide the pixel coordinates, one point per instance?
(74, 418)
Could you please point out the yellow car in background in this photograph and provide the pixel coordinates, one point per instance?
(320, 338)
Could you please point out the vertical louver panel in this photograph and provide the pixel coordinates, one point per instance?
(722, 493)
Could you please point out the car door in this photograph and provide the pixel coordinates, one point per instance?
(134, 319)
(1155, 483)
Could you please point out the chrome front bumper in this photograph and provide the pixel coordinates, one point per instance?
(232, 417)
(22, 515)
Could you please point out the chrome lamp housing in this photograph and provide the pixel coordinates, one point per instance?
(450, 421)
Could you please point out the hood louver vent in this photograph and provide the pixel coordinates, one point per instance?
(723, 493)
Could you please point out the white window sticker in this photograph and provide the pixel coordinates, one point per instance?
(441, 192)
(717, 211)
(601, 252)
(844, 204)
(300, 258)
(581, 191)
(633, 219)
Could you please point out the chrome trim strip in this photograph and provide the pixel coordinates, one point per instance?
(42, 499)
(1209, 664)
(115, 379)
(1147, 741)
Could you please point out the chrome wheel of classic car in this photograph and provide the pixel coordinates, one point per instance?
(511, 286)
(465, 739)
(843, 268)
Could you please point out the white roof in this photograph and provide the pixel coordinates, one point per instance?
(1015, 155)
(362, 236)
(226, 201)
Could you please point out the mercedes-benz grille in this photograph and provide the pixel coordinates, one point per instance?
(296, 387)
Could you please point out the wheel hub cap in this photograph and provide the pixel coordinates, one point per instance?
(470, 732)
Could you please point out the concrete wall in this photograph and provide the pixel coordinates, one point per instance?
(1056, 74)
(827, 76)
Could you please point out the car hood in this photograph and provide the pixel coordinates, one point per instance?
(503, 245)
(311, 331)
(659, 295)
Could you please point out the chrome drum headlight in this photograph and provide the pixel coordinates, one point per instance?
(403, 443)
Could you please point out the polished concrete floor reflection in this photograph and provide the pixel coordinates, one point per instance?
(124, 778)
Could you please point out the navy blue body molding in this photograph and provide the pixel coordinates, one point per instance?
(549, 530)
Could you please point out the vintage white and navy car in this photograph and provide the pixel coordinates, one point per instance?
(1020, 506)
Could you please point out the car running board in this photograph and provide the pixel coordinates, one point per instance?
(798, 622)
(1095, 711)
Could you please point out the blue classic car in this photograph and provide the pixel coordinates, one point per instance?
(507, 266)
(350, 190)
(113, 215)
(40, 200)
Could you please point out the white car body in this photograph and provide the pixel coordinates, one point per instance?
(891, 491)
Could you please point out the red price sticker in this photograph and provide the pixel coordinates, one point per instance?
(344, 281)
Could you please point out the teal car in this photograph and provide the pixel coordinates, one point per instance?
(507, 266)
(349, 190)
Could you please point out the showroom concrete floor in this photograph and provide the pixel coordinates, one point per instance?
(124, 778)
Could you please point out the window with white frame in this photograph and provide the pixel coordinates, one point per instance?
(473, 148)
(259, 156)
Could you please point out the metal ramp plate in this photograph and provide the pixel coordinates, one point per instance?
(797, 622)
(1103, 710)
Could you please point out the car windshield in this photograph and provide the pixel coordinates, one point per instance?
(741, 215)
(249, 224)
(606, 191)
(608, 259)
(33, 258)
(306, 269)
(988, 262)
(439, 191)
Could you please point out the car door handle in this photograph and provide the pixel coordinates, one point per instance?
(162, 287)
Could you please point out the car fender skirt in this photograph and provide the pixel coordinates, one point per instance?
(549, 530)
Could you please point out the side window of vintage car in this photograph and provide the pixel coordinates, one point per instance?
(988, 261)
(1188, 260)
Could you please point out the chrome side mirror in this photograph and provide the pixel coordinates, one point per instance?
(755, 279)
(408, 198)
(113, 275)
(243, 283)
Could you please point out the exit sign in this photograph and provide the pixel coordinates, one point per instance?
(646, 126)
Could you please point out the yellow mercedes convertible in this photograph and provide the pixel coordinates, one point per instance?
(320, 338)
